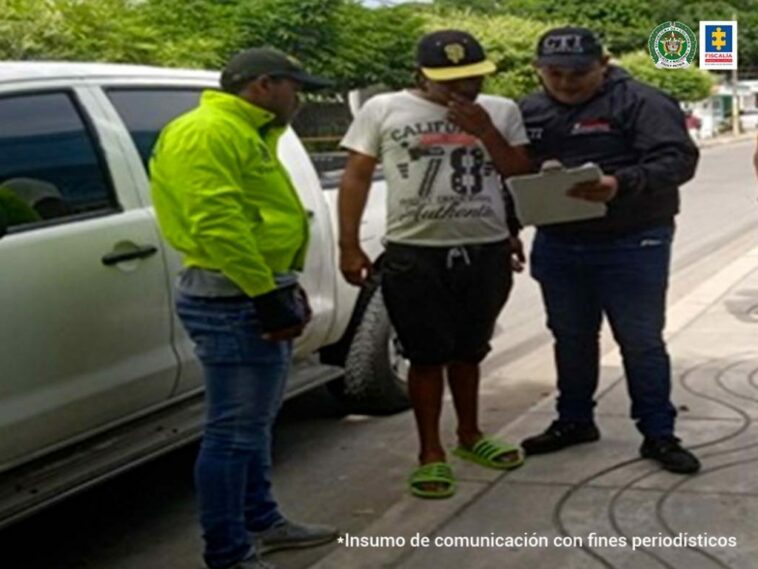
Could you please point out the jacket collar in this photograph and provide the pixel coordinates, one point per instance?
(237, 106)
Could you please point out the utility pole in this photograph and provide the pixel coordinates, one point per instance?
(735, 95)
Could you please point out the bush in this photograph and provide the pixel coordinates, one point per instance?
(691, 84)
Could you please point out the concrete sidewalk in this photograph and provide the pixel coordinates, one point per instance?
(605, 487)
(726, 139)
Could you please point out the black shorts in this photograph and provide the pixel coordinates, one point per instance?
(444, 301)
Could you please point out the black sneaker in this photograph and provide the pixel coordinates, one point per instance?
(559, 435)
(670, 455)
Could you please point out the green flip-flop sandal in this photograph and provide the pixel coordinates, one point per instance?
(486, 452)
(435, 472)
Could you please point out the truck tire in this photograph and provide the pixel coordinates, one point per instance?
(376, 373)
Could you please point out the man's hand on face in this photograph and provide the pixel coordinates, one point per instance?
(603, 190)
(469, 116)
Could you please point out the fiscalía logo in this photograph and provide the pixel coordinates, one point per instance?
(672, 45)
(718, 45)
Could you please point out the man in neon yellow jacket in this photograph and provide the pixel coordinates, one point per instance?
(227, 204)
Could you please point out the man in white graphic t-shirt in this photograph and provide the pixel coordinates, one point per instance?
(447, 271)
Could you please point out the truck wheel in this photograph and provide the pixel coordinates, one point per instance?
(376, 372)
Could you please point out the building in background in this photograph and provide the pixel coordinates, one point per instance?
(715, 112)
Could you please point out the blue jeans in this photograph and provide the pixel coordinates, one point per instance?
(626, 279)
(244, 385)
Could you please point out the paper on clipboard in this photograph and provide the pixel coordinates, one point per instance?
(541, 198)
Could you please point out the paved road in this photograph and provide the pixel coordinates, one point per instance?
(349, 469)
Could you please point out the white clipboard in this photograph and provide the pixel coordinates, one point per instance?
(541, 198)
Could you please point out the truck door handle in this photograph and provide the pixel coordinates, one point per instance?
(117, 257)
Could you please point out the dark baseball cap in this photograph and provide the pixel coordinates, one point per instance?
(452, 54)
(569, 47)
(258, 61)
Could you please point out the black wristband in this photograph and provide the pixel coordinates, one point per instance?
(276, 310)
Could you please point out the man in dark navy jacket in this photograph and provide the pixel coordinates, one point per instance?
(618, 265)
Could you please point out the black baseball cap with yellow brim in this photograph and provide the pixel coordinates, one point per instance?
(448, 55)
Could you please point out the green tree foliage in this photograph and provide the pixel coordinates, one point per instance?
(106, 30)
(190, 33)
(691, 84)
(624, 25)
(305, 29)
(112, 29)
(479, 6)
(27, 28)
(338, 38)
(343, 39)
(374, 46)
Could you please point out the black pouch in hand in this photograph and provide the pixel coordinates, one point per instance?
(279, 309)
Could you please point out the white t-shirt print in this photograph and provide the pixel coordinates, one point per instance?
(442, 187)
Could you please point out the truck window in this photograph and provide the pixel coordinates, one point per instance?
(51, 169)
(321, 125)
(145, 111)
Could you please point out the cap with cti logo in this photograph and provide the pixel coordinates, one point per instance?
(258, 61)
(569, 47)
(452, 54)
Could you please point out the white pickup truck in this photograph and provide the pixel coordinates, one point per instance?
(96, 373)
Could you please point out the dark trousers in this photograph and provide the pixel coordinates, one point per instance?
(626, 279)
